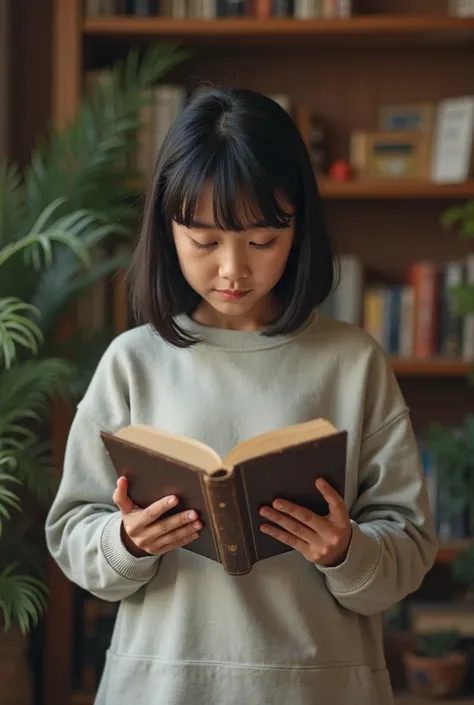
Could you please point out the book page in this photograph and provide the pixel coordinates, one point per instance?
(278, 440)
(183, 449)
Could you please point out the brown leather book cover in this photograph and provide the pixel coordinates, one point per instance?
(227, 494)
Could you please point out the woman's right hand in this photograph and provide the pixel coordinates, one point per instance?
(144, 533)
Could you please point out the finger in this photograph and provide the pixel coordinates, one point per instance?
(284, 537)
(177, 535)
(290, 524)
(121, 498)
(171, 524)
(146, 535)
(150, 514)
(317, 524)
(177, 544)
(337, 508)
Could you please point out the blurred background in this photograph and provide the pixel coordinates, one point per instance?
(383, 94)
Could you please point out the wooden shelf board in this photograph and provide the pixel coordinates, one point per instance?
(406, 699)
(448, 550)
(414, 29)
(374, 189)
(436, 367)
(331, 189)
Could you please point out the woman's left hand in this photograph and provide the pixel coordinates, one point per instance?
(324, 540)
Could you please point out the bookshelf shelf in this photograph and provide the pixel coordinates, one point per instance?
(372, 189)
(405, 699)
(365, 189)
(375, 29)
(436, 367)
(448, 550)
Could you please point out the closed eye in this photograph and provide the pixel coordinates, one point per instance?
(263, 245)
(200, 246)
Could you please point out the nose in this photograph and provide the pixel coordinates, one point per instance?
(233, 265)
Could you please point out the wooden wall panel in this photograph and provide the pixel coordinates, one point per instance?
(30, 76)
(5, 68)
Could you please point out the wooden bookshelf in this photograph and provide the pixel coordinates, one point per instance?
(363, 30)
(396, 189)
(345, 70)
(431, 368)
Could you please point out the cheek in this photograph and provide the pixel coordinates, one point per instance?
(276, 262)
(195, 265)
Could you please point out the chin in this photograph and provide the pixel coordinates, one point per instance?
(237, 308)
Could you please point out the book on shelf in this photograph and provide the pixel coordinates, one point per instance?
(228, 493)
(428, 616)
(214, 9)
(461, 8)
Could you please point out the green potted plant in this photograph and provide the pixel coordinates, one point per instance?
(461, 220)
(74, 196)
(453, 451)
(436, 667)
(27, 383)
(462, 569)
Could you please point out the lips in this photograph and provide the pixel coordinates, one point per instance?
(232, 294)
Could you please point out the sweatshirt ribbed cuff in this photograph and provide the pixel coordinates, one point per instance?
(119, 558)
(360, 563)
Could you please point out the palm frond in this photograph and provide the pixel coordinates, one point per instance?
(87, 162)
(17, 329)
(22, 599)
(38, 242)
(8, 499)
(63, 282)
(27, 389)
(34, 469)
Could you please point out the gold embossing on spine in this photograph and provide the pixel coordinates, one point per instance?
(227, 520)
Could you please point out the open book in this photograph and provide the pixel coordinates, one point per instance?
(228, 493)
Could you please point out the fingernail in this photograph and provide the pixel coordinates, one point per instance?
(171, 501)
(197, 525)
(192, 515)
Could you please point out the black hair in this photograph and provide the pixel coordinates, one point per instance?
(252, 150)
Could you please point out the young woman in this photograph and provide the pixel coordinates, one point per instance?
(232, 264)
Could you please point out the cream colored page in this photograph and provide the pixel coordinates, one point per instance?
(280, 438)
(186, 450)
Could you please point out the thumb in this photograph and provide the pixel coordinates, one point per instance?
(121, 498)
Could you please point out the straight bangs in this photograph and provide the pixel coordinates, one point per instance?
(244, 192)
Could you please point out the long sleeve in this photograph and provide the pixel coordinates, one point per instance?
(394, 541)
(83, 524)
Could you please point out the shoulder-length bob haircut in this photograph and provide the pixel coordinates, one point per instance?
(252, 151)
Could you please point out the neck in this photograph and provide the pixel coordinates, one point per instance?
(259, 317)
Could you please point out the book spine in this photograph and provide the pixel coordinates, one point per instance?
(224, 498)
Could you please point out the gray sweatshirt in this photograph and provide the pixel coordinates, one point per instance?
(289, 631)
